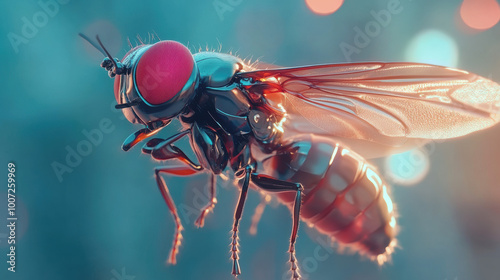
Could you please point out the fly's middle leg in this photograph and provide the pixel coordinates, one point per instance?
(211, 204)
(237, 216)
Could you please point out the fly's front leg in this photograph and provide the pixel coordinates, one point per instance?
(237, 215)
(146, 132)
(274, 185)
(163, 150)
(175, 170)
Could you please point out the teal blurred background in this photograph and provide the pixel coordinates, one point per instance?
(105, 219)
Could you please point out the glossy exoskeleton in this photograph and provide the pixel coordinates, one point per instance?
(285, 131)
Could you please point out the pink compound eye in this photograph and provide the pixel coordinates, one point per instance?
(162, 71)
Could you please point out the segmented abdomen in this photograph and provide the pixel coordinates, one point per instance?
(344, 197)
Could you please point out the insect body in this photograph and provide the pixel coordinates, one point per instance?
(285, 131)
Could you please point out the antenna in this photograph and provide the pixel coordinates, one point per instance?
(119, 68)
(108, 55)
(92, 43)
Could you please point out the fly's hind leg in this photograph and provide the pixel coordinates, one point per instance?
(274, 185)
(257, 214)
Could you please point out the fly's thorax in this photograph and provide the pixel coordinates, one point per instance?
(217, 69)
(220, 98)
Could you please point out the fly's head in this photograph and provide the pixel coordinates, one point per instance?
(153, 83)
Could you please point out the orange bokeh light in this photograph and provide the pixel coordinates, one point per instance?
(480, 14)
(324, 7)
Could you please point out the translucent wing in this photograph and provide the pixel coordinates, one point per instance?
(377, 108)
